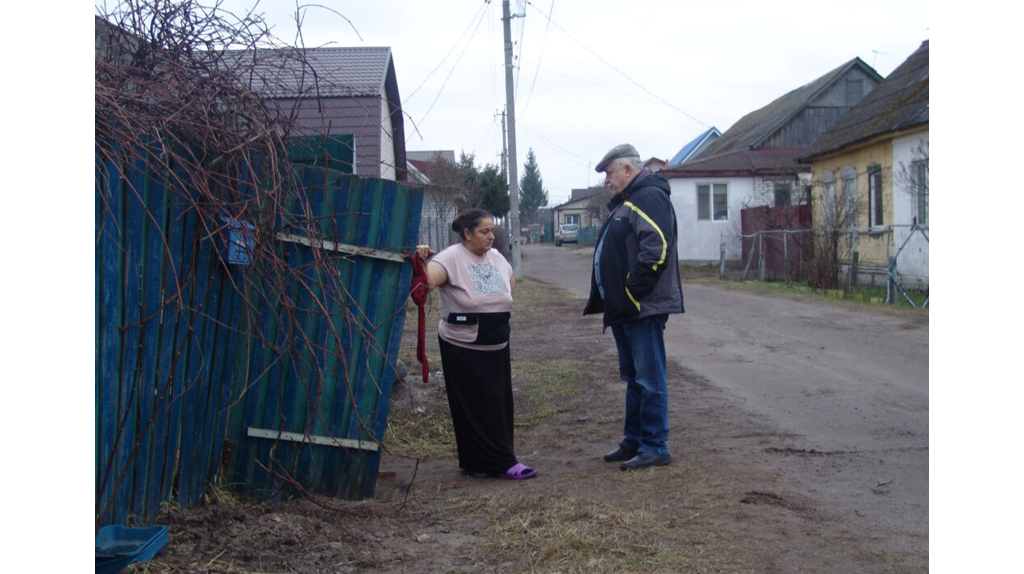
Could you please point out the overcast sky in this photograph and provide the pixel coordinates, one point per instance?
(592, 74)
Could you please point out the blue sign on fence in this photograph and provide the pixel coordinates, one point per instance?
(238, 242)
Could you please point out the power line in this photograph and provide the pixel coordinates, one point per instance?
(443, 59)
(477, 15)
(566, 153)
(618, 71)
(522, 32)
(539, 58)
(455, 65)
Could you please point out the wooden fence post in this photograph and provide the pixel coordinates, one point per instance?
(785, 257)
(760, 256)
(721, 262)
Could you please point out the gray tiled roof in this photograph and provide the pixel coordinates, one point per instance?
(762, 160)
(899, 102)
(324, 72)
(755, 128)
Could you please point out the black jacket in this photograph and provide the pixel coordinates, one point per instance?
(636, 255)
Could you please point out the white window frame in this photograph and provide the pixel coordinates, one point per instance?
(849, 179)
(850, 196)
(920, 168)
(711, 191)
(828, 192)
(876, 197)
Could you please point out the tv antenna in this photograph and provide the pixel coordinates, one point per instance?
(876, 53)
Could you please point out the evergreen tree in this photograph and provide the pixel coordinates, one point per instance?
(532, 195)
(487, 188)
(470, 173)
(492, 194)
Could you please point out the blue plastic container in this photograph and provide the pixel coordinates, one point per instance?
(118, 546)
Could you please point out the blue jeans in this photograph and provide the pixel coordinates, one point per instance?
(641, 346)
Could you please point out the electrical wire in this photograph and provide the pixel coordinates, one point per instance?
(540, 58)
(443, 60)
(479, 20)
(618, 71)
(521, 8)
(565, 152)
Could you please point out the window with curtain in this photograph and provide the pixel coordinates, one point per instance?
(712, 201)
(875, 195)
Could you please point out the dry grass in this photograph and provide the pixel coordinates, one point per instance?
(420, 435)
(801, 292)
(589, 531)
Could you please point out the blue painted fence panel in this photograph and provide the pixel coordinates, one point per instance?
(193, 353)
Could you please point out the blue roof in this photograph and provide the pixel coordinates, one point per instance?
(689, 148)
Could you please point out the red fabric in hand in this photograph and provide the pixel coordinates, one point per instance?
(418, 292)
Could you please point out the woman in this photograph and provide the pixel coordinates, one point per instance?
(476, 284)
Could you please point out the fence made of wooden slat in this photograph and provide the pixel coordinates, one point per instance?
(269, 377)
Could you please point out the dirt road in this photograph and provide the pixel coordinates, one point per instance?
(799, 442)
(843, 393)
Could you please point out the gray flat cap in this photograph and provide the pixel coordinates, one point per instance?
(621, 150)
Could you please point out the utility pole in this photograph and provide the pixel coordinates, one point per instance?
(513, 176)
(504, 148)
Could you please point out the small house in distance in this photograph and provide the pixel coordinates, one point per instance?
(441, 198)
(583, 208)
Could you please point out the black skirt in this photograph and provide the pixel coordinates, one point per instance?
(479, 386)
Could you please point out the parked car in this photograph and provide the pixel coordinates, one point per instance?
(567, 233)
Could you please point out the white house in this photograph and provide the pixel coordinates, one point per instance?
(709, 194)
(754, 163)
(910, 206)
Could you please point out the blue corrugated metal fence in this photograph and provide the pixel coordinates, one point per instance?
(275, 374)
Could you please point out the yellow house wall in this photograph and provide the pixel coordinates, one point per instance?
(871, 245)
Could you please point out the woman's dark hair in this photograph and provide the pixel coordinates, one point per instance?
(469, 220)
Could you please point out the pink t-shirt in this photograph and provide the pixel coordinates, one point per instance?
(476, 284)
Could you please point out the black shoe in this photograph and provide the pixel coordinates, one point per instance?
(646, 459)
(619, 454)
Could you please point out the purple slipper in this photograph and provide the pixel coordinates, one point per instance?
(519, 471)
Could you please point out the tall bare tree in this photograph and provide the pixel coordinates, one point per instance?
(597, 205)
(835, 215)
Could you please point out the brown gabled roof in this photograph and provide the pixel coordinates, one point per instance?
(759, 161)
(755, 128)
(898, 103)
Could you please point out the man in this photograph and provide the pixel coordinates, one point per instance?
(635, 283)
